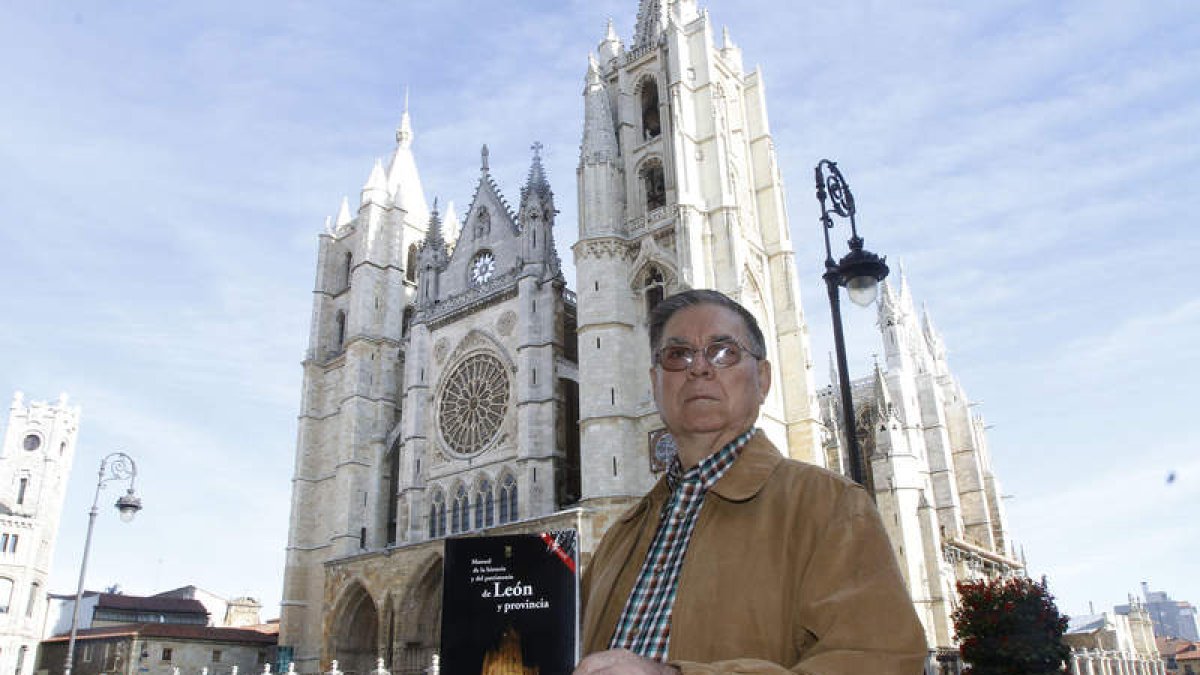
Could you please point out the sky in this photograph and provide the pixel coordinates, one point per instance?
(165, 169)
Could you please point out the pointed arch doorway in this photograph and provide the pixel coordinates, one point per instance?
(416, 621)
(356, 632)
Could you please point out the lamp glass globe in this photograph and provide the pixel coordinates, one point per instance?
(862, 290)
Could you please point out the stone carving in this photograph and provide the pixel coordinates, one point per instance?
(504, 325)
(440, 349)
(606, 248)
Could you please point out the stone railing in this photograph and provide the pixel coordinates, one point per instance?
(495, 288)
(637, 53)
(1111, 662)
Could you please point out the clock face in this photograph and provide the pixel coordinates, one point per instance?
(483, 267)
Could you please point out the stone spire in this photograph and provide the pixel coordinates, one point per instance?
(431, 261)
(403, 181)
(731, 52)
(599, 136)
(883, 398)
(888, 307)
(404, 133)
(375, 189)
(433, 234)
(610, 47)
(537, 215)
(343, 215)
(933, 337)
(651, 22)
(536, 184)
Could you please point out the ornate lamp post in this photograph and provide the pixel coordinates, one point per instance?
(860, 271)
(116, 466)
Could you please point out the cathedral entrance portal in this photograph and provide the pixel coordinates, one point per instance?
(417, 618)
(355, 632)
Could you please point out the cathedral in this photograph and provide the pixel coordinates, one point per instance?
(453, 383)
(35, 464)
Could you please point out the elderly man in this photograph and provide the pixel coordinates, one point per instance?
(739, 560)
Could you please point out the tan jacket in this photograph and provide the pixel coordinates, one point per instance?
(788, 570)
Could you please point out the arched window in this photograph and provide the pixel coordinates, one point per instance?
(33, 598)
(460, 512)
(508, 499)
(654, 184)
(651, 124)
(410, 264)
(349, 266)
(340, 338)
(406, 321)
(654, 288)
(437, 515)
(485, 505)
(6, 587)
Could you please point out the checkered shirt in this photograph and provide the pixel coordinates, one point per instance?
(645, 624)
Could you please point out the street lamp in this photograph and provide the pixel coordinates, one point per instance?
(860, 271)
(116, 466)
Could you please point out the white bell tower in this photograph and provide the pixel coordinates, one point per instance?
(678, 188)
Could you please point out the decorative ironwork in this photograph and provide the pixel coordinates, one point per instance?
(473, 404)
(840, 197)
(117, 466)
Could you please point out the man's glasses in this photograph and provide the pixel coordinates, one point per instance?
(722, 354)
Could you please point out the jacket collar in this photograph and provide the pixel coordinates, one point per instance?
(750, 472)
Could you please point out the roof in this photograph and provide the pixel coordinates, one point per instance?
(175, 631)
(1087, 623)
(151, 604)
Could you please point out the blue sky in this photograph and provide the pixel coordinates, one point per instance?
(165, 170)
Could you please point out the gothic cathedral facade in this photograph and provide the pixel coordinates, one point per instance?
(35, 465)
(454, 384)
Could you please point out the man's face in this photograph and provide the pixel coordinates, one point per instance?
(703, 399)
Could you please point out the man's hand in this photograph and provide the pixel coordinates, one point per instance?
(622, 662)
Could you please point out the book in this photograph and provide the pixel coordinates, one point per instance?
(510, 605)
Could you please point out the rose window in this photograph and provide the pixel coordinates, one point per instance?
(473, 404)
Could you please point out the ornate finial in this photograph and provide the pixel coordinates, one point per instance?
(483, 158)
(537, 149)
(435, 211)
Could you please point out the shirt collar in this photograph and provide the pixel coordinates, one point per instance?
(711, 468)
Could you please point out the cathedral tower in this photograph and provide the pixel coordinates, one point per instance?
(365, 283)
(35, 465)
(678, 188)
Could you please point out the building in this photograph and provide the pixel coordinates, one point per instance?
(1116, 643)
(161, 649)
(1172, 618)
(112, 609)
(453, 384)
(234, 613)
(439, 398)
(1182, 657)
(35, 464)
(926, 458)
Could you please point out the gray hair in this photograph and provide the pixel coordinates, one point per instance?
(663, 311)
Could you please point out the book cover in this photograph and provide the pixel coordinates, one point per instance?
(510, 605)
